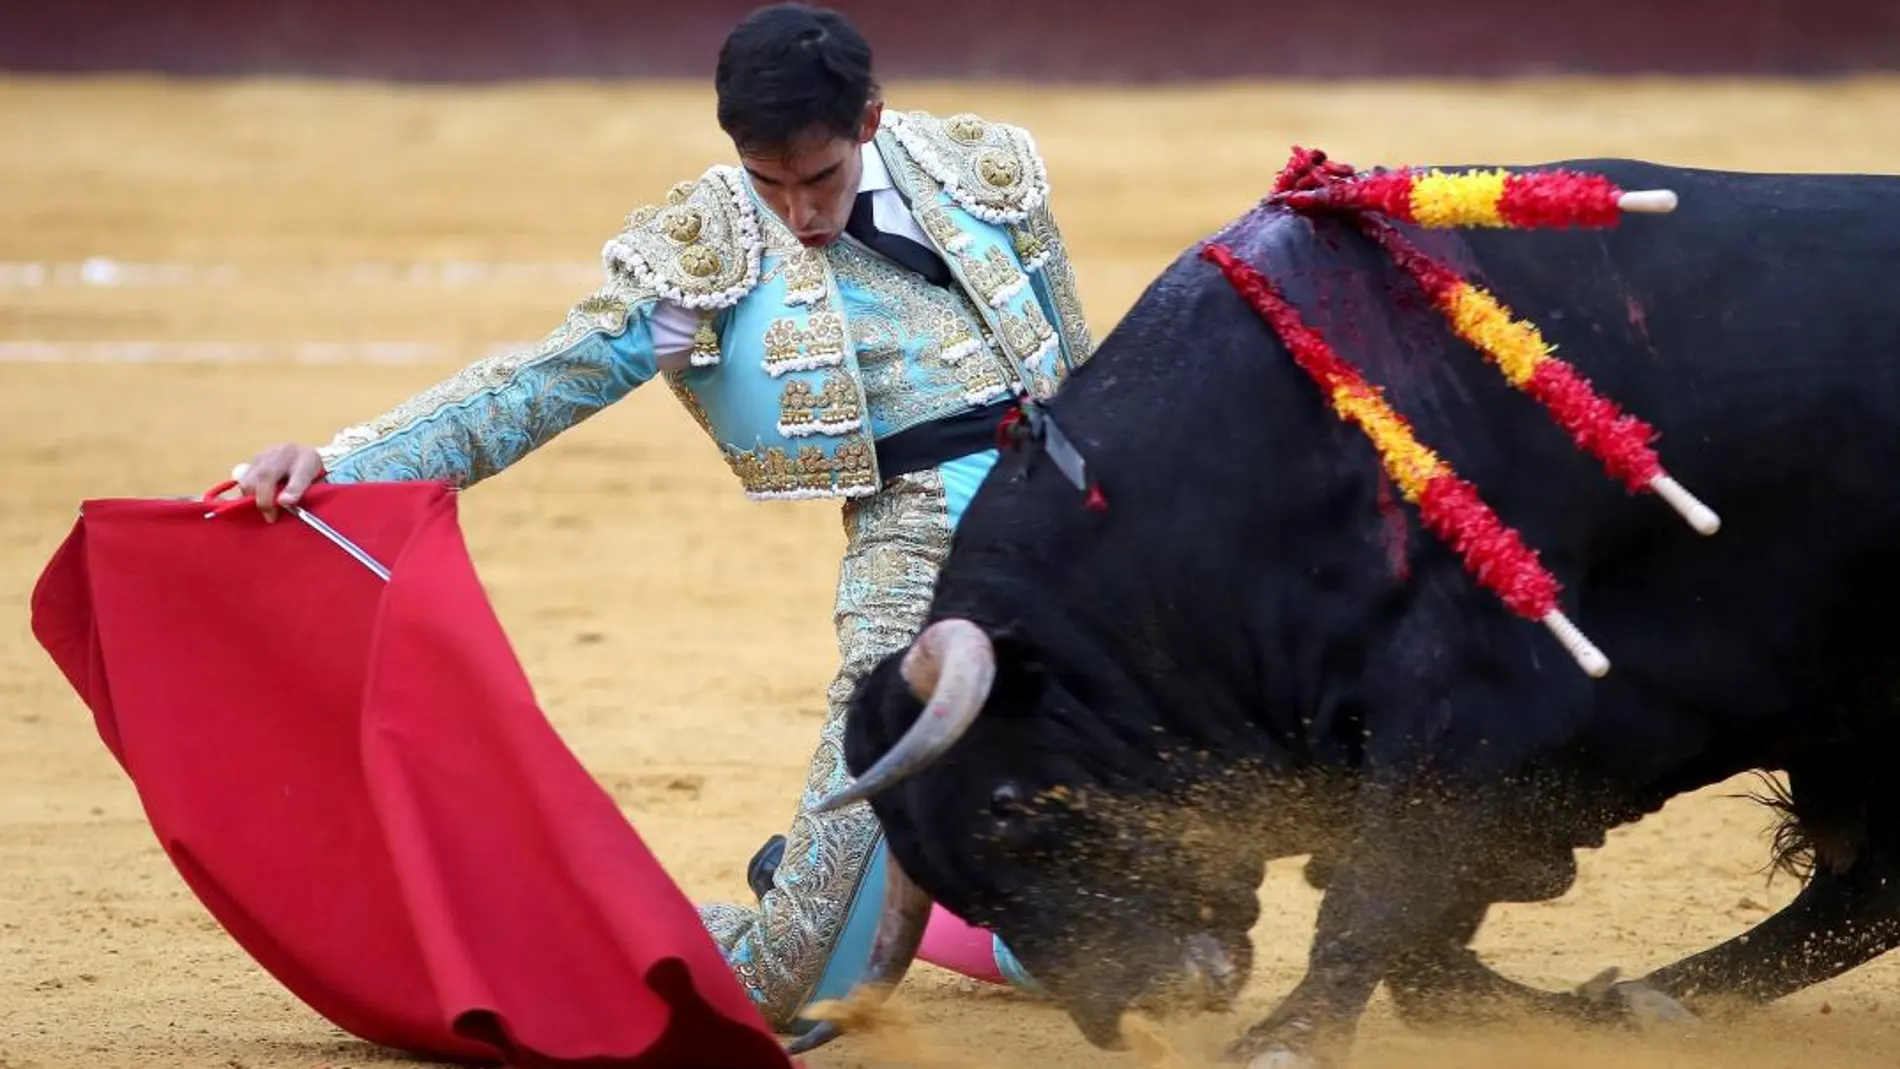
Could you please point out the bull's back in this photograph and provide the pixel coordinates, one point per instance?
(1757, 328)
(1762, 301)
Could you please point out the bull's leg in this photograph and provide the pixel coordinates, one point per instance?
(1838, 922)
(1441, 983)
(1396, 893)
(1847, 914)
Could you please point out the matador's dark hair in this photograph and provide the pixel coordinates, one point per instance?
(788, 69)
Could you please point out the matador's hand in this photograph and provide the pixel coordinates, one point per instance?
(278, 476)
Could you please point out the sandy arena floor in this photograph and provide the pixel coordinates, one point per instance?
(283, 219)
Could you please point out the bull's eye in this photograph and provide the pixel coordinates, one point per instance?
(1006, 802)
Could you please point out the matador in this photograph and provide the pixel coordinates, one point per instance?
(849, 313)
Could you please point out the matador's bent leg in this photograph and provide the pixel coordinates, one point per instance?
(810, 937)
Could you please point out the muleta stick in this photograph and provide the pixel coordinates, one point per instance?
(336, 538)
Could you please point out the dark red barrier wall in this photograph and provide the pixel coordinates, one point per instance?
(1090, 40)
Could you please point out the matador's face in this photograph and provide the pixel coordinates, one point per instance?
(810, 184)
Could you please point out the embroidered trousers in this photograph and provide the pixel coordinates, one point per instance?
(810, 936)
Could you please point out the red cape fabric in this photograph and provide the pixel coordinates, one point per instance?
(355, 779)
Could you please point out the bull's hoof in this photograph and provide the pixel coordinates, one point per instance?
(1641, 1006)
(1287, 1043)
(1279, 1056)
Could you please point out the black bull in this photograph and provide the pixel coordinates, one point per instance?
(1253, 653)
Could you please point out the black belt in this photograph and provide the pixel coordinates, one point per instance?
(930, 444)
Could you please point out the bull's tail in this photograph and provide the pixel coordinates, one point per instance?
(1792, 846)
(1808, 837)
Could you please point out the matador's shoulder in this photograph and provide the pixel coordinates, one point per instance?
(701, 247)
(992, 169)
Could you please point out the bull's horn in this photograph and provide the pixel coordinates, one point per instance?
(900, 930)
(954, 661)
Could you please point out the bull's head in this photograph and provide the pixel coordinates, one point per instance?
(990, 779)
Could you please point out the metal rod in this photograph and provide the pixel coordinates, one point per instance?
(343, 543)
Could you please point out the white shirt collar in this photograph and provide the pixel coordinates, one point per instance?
(876, 175)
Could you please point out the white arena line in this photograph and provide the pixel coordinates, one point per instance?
(107, 272)
(209, 352)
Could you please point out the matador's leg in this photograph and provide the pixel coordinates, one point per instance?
(810, 937)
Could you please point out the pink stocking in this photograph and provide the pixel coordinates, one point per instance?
(951, 944)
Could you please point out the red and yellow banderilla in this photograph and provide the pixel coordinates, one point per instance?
(1449, 506)
(1537, 199)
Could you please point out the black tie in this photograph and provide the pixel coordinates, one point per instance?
(899, 248)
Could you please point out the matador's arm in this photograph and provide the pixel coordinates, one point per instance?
(494, 412)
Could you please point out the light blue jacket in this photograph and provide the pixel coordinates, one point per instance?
(800, 358)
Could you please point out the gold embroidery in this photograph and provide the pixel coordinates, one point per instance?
(688, 399)
(942, 229)
(705, 350)
(826, 335)
(603, 310)
(560, 383)
(746, 465)
(1028, 334)
(917, 346)
(1033, 232)
(771, 473)
(805, 277)
(999, 169)
(1031, 249)
(982, 382)
(779, 239)
(907, 173)
(895, 542)
(966, 128)
(702, 250)
(855, 465)
(833, 408)
(990, 168)
(954, 333)
(681, 224)
(797, 409)
(994, 276)
(699, 261)
(838, 403)
(1037, 238)
(789, 347)
(1058, 275)
(781, 341)
(776, 474)
(814, 469)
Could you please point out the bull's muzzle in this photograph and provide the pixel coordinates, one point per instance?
(1207, 977)
(949, 668)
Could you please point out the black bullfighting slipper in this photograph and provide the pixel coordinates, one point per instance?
(758, 871)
